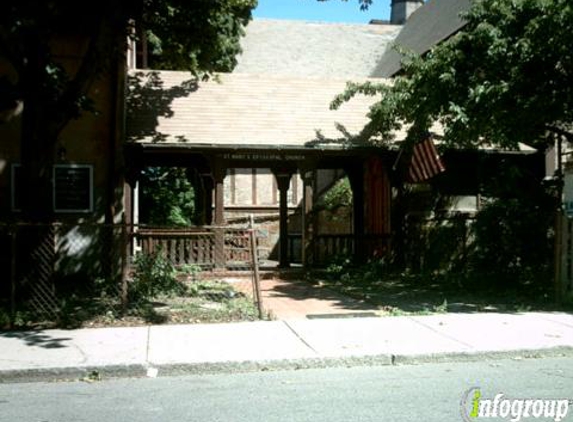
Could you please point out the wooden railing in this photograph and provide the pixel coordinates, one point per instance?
(328, 246)
(208, 247)
(180, 246)
(229, 247)
(295, 247)
(237, 246)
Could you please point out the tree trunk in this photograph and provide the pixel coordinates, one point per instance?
(37, 140)
(36, 237)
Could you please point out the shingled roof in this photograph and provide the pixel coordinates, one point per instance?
(432, 23)
(313, 49)
(165, 106)
(279, 93)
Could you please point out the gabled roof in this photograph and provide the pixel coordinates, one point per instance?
(165, 107)
(432, 23)
(169, 108)
(313, 49)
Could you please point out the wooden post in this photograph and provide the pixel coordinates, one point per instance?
(13, 246)
(307, 219)
(283, 179)
(356, 177)
(207, 199)
(219, 173)
(255, 261)
(558, 251)
(125, 246)
(131, 206)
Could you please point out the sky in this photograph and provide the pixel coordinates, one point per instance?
(328, 11)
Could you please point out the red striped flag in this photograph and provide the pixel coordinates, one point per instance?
(425, 162)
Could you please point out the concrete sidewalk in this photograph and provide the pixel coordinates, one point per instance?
(296, 343)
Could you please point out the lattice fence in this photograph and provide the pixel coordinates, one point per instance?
(94, 275)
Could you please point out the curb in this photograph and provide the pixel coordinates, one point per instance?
(72, 373)
(152, 370)
(271, 365)
(551, 352)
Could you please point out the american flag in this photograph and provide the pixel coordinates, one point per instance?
(425, 162)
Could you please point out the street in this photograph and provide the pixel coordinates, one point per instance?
(428, 392)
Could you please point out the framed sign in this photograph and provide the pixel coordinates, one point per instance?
(73, 188)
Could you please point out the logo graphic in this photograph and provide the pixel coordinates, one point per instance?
(474, 407)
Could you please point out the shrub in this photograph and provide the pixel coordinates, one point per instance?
(191, 270)
(513, 240)
(154, 275)
(339, 195)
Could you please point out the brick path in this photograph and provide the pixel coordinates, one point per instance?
(297, 299)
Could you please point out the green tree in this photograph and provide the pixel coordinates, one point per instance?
(198, 35)
(506, 77)
(167, 197)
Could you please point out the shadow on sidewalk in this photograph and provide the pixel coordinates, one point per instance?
(300, 299)
(37, 339)
(300, 291)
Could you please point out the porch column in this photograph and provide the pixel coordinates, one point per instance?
(283, 179)
(219, 173)
(356, 178)
(131, 206)
(131, 186)
(205, 202)
(307, 218)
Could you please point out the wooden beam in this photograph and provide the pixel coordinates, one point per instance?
(356, 176)
(283, 178)
(308, 223)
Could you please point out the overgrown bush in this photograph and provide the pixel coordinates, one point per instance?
(513, 240)
(338, 265)
(191, 270)
(439, 244)
(214, 290)
(4, 317)
(341, 269)
(509, 239)
(154, 275)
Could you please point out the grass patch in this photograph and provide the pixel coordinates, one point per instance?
(403, 293)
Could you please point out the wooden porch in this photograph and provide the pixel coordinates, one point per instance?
(365, 167)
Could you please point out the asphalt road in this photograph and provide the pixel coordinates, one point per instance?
(428, 392)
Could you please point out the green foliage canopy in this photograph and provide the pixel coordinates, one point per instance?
(196, 35)
(339, 195)
(167, 197)
(201, 36)
(506, 77)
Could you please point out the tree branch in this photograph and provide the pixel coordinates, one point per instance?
(562, 132)
(92, 64)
